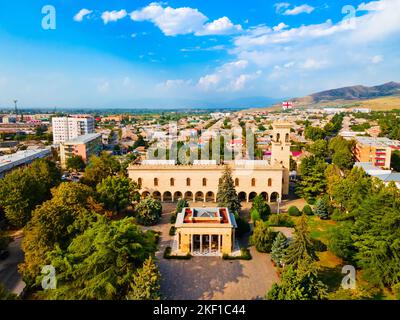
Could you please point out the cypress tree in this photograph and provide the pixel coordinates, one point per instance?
(301, 247)
(227, 195)
(278, 249)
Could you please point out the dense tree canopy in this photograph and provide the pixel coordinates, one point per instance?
(104, 262)
(100, 168)
(23, 189)
(55, 223)
(75, 163)
(146, 282)
(117, 192)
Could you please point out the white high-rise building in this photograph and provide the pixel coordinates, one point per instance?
(67, 128)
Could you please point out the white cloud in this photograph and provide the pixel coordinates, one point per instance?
(133, 35)
(220, 26)
(372, 6)
(81, 14)
(279, 7)
(377, 59)
(280, 27)
(184, 20)
(304, 8)
(230, 77)
(171, 21)
(313, 64)
(112, 16)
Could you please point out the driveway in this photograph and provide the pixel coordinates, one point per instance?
(211, 278)
(9, 275)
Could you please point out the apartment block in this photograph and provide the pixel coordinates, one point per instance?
(67, 128)
(377, 151)
(84, 146)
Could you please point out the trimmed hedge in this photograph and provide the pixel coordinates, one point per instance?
(168, 256)
(280, 220)
(245, 255)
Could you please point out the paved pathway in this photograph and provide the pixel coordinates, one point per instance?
(9, 275)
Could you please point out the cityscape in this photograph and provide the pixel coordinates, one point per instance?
(206, 169)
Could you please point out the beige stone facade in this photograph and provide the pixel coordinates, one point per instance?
(205, 231)
(199, 182)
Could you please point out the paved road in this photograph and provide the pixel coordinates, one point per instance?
(9, 275)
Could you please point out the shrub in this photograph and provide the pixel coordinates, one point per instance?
(168, 256)
(182, 203)
(280, 220)
(149, 211)
(172, 220)
(262, 237)
(294, 211)
(307, 210)
(172, 231)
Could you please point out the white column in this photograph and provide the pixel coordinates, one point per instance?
(201, 243)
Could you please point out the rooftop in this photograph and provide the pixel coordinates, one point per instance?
(84, 138)
(377, 142)
(206, 217)
(8, 162)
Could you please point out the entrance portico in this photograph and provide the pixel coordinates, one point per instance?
(205, 231)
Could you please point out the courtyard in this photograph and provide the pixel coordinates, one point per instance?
(212, 278)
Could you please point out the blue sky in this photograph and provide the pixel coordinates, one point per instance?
(121, 53)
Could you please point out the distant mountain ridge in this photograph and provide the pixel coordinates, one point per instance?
(350, 93)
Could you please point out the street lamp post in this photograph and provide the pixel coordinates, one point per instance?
(278, 200)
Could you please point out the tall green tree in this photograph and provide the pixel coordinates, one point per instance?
(117, 192)
(146, 282)
(313, 181)
(227, 195)
(301, 247)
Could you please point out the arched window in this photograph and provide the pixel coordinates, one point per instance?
(253, 182)
(172, 182)
(156, 182)
(237, 182)
(188, 182)
(278, 137)
(287, 138)
(204, 182)
(269, 182)
(140, 182)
